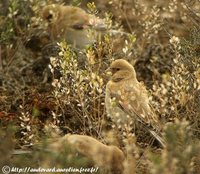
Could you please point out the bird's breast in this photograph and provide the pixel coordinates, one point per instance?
(114, 111)
(79, 38)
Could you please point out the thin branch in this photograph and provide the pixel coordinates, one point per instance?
(193, 14)
(1, 63)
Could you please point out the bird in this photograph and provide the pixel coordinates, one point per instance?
(102, 155)
(127, 102)
(105, 156)
(72, 24)
(79, 28)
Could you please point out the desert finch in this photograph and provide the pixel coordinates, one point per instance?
(79, 28)
(72, 24)
(105, 156)
(102, 155)
(127, 102)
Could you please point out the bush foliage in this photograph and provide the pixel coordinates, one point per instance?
(48, 89)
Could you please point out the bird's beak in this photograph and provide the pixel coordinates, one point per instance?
(108, 71)
(97, 24)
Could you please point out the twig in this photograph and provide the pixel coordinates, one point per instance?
(193, 14)
(1, 67)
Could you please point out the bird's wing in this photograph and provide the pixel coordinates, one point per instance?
(133, 100)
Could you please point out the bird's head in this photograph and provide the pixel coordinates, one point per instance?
(50, 12)
(122, 70)
(73, 17)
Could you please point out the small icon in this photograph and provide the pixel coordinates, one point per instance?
(6, 169)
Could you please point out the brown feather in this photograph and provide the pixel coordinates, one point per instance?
(130, 98)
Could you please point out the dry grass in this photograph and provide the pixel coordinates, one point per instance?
(49, 89)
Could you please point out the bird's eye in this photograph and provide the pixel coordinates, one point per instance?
(49, 17)
(114, 70)
(78, 26)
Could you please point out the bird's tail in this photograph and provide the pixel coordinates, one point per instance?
(20, 152)
(159, 138)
